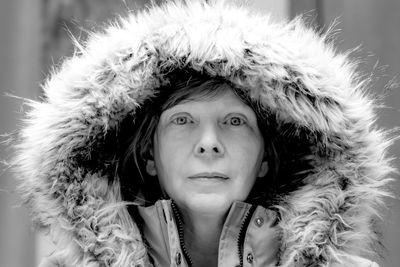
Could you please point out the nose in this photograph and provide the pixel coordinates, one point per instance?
(209, 144)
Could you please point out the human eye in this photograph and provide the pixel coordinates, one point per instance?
(236, 120)
(181, 119)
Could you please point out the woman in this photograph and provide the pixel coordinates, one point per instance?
(206, 151)
(200, 135)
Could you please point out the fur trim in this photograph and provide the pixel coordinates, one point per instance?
(66, 157)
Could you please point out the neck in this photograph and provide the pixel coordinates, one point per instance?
(201, 236)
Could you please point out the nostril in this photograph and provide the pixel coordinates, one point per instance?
(209, 150)
(202, 150)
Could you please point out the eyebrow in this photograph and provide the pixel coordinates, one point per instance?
(241, 109)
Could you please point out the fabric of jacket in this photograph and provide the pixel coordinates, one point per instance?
(68, 151)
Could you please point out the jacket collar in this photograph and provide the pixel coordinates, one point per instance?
(249, 235)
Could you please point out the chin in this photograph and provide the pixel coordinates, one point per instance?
(208, 203)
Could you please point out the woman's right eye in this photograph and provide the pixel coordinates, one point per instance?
(181, 120)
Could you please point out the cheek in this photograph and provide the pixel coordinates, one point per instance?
(247, 163)
(169, 154)
(248, 156)
(248, 151)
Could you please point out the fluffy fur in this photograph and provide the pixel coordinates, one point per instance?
(67, 164)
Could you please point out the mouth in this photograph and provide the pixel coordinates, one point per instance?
(209, 175)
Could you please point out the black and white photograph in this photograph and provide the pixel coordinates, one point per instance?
(199, 133)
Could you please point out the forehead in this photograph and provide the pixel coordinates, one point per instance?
(216, 105)
(205, 92)
(226, 99)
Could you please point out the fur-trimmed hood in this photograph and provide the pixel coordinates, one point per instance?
(69, 148)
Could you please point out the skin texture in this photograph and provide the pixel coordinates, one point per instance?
(207, 154)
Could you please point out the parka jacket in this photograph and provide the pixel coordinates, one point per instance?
(333, 170)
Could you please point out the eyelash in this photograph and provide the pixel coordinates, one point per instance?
(176, 120)
(241, 121)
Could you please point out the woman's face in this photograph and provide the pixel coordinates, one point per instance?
(208, 152)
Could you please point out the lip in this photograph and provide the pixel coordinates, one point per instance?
(209, 175)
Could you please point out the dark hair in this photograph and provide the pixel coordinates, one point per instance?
(146, 120)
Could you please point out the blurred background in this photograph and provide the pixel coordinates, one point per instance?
(34, 35)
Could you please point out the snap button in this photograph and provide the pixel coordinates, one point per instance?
(259, 221)
(178, 258)
(250, 258)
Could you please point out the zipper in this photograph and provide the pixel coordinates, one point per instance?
(180, 234)
(242, 233)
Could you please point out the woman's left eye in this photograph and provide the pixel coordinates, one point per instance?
(236, 121)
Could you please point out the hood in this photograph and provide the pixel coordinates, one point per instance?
(69, 147)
